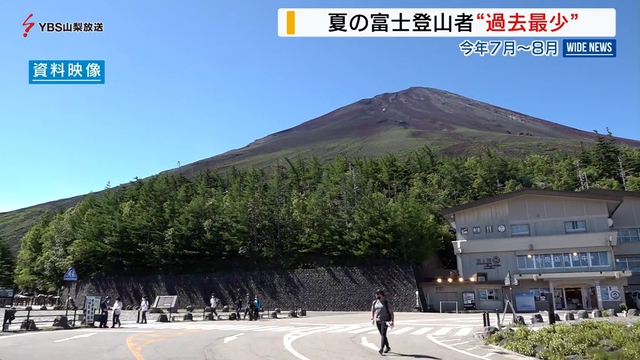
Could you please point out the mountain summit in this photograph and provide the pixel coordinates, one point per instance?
(387, 123)
(406, 120)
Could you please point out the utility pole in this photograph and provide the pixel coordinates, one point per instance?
(511, 281)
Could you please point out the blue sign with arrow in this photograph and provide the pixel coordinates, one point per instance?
(70, 275)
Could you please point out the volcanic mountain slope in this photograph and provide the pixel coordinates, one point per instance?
(406, 120)
(392, 122)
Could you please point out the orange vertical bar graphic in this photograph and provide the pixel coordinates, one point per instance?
(291, 22)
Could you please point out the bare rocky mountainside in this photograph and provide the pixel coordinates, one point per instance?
(388, 123)
(406, 120)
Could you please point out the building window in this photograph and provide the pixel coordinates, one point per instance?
(558, 261)
(520, 230)
(476, 229)
(575, 226)
(489, 294)
(566, 261)
(599, 259)
(630, 264)
(488, 229)
(629, 235)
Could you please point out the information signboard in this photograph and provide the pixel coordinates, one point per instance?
(91, 304)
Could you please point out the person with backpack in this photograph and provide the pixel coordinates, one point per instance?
(382, 316)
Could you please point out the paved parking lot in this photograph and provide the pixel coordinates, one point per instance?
(321, 336)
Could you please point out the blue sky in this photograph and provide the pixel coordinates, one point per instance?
(191, 79)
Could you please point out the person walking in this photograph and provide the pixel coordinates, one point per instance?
(248, 308)
(257, 307)
(104, 312)
(117, 310)
(144, 307)
(382, 316)
(214, 304)
(238, 307)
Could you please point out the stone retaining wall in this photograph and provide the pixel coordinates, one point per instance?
(325, 289)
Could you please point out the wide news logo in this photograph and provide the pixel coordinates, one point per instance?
(81, 26)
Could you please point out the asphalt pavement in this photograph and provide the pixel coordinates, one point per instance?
(320, 336)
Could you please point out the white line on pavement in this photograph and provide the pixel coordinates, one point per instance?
(289, 338)
(442, 331)
(118, 331)
(344, 329)
(463, 332)
(461, 343)
(430, 337)
(267, 328)
(422, 331)
(76, 337)
(368, 344)
(25, 334)
(231, 338)
(400, 331)
(359, 331)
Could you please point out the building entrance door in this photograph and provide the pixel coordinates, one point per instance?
(559, 298)
(574, 299)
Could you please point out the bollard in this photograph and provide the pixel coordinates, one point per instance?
(484, 319)
(498, 318)
(552, 313)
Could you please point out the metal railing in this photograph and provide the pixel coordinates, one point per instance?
(449, 302)
(31, 320)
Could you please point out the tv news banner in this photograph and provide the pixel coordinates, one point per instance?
(585, 33)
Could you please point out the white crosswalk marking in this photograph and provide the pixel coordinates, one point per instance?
(400, 331)
(415, 330)
(368, 328)
(463, 332)
(422, 331)
(344, 329)
(285, 328)
(267, 328)
(442, 331)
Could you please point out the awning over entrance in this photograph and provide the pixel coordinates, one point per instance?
(575, 275)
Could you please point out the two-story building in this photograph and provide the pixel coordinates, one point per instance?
(579, 247)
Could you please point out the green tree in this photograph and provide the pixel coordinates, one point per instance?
(7, 265)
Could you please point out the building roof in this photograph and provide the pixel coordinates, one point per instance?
(596, 194)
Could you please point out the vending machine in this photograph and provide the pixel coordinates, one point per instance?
(469, 300)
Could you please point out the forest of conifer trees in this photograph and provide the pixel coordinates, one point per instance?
(299, 214)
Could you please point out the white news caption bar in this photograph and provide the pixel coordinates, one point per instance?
(468, 23)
